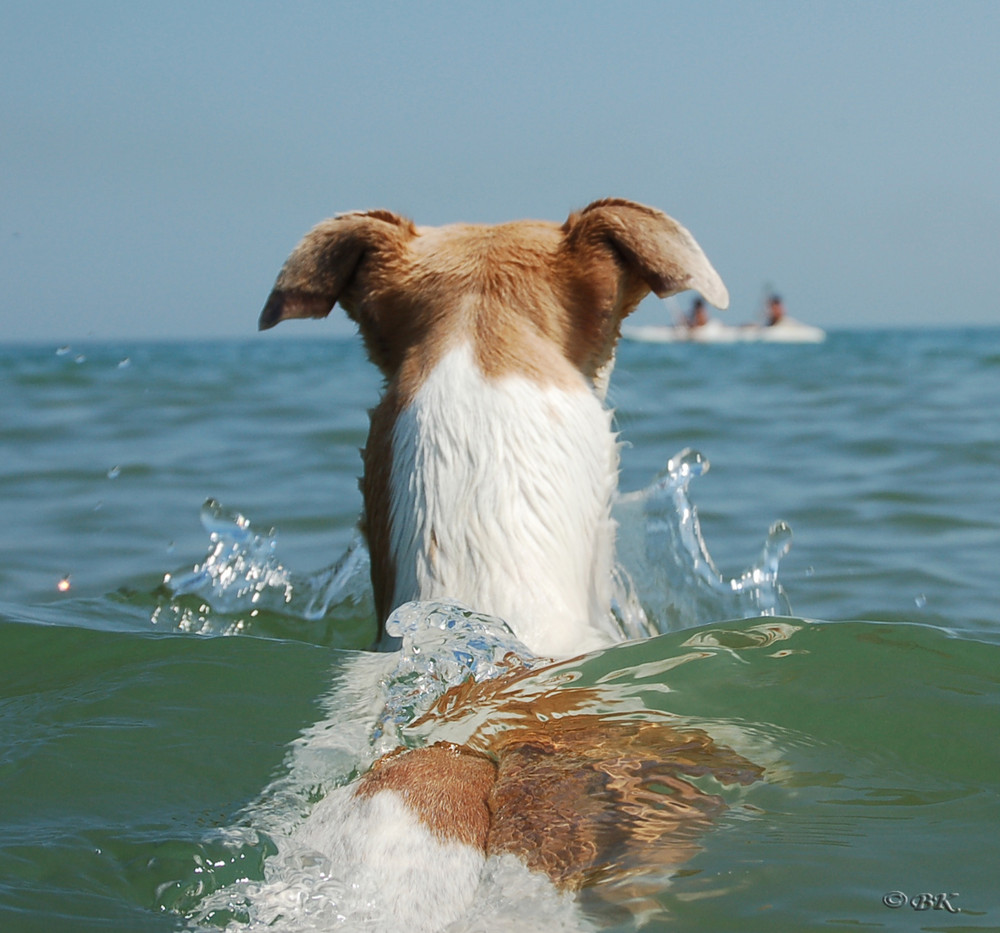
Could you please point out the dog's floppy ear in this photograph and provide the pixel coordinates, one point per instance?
(324, 264)
(651, 245)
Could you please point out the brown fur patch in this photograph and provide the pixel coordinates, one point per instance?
(584, 799)
(445, 785)
(375, 484)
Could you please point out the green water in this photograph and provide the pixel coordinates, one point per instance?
(127, 752)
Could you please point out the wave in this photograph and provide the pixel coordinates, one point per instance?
(871, 738)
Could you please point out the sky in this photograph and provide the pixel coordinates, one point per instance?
(158, 161)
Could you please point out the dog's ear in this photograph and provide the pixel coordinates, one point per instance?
(324, 264)
(651, 245)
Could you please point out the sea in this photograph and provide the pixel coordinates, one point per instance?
(809, 540)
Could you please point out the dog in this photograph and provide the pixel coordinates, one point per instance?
(489, 475)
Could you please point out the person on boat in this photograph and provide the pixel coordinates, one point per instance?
(697, 316)
(775, 311)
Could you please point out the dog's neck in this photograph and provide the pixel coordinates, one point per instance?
(501, 492)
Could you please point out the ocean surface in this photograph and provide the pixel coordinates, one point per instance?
(184, 618)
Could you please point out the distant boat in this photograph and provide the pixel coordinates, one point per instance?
(787, 330)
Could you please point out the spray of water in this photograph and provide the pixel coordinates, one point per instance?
(241, 584)
(665, 580)
(661, 544)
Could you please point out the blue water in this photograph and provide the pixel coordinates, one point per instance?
(182, 682)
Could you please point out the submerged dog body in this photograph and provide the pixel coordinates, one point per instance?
(491, 464)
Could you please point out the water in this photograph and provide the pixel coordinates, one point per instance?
(158, 775)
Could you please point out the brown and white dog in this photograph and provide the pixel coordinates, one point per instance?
(489, 476)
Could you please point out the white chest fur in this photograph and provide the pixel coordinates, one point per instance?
(501, 496)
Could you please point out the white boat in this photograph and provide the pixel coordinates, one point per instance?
(787, 330)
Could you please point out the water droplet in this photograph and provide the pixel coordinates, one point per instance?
(114, 472)
(779, 541)
(124, 363)
(219, 521)
(688, 462)
(921, 601)
(63, 585)
(62, 351)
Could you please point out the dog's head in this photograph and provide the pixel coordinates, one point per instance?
(528, 295)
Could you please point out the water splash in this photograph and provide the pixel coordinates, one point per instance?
(240, 569)
(661, 546)
(666, 579)
(241, 578)
(443, 644)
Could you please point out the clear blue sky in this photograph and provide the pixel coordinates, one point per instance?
(158, 161)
